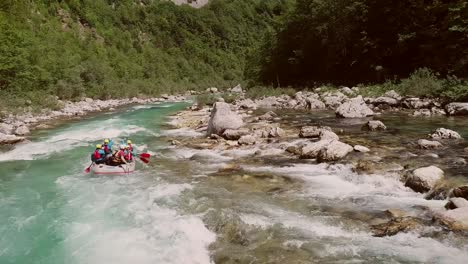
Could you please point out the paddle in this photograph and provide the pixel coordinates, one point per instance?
(145, 155)
(87, 170)
(144, 160)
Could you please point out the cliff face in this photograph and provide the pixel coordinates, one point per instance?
(193, 3)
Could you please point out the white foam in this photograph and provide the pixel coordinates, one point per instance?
(123, 220)
(182, 132)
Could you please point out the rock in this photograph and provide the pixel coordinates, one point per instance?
(212, 90)
(395, 213)
(269, 132)
(22, 130)
(417, 103)
(360, 148)
(333, 100)
(457, 109)
(437, 111)
(354, 108)
(374, 125)
(294, 150)
(328, 135)
(465, 150)
(459, 161)
(237, 89)
(313, 103)
(268, 116)
(393, 94)
(395, 226)
(311, 150)
(461, 191)
(246, 104)
(312, 131)
(220, 99)
(347, 91)
(235, 134)
(292, 103)
(456, 219)
(428, 144)
(9, 139)
(247, 140)
(443, 133)
(223, 118)
(424, 179)
(422, 112)
(6, 128)
(385, 100)
(456, 202)
(88, 100)
(334, 151)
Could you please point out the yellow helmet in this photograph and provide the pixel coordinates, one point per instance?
(106, 140)
(129, 141)
(98, 146)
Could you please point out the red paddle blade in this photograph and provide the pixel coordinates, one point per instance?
(87, 170)
(145, 155)
(144, 160)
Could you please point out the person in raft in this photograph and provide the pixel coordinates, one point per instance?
(118, 157)
(107, 146)
(98, 156)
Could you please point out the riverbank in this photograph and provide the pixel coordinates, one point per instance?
(401, 146)
(15, 128)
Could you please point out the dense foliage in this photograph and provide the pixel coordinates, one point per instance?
(362, 41)
(106, 48)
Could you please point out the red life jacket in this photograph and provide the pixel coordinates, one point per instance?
(121, 153)
(97, 155)
(130, 147)
(106, 149)
(128, 156)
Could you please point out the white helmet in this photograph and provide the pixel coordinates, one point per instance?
(122, 146)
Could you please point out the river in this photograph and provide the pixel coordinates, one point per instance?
(174, 210)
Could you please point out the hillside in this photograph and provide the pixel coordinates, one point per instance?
(106, 49)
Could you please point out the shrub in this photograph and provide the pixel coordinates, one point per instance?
(264, 91)
(423, 82)
(207, 99)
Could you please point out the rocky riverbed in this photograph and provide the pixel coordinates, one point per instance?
(389, 140)
(16, 128)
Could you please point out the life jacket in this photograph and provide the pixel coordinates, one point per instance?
(106, 149)
(128, 155)
(117, 158)
(97, 155)
(130, 147)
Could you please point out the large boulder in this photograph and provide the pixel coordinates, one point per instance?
(9, 139)
(333, 100)
(457, 109)
(6, 128)
(312, 131)
(223, 118)
(424, 179)
(443, 133)
(386, 101)
(246, 104)
(334, 151)
(354, 108)
(314, 103)
(328, 135)
(374, 125)
(428, 144)
(311, 150)
(22, 130)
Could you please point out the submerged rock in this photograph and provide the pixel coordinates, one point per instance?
(456, 202)
(395, 226)
(428, 144)
(443, 133)
(354, 108)
(223, 118)
(457, 109)
(424, 179)
(374, 125)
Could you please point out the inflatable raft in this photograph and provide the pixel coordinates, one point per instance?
(106, 169)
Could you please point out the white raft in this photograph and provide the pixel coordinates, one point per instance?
(106, 169)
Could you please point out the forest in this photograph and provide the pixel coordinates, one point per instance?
(68, 49)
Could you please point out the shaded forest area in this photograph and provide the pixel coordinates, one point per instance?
(346, 42)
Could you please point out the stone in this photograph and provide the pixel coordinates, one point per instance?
(374, 125)
(460, 191)
(9, 139)
(333, 100)
(268, 116)
(456, 219)
(235, 134)
(459, 161)
(311, 150)
(424, 179)
(385, 100)
(360, 148)
(422, 112)
(395, 213)
(456, 202)
(246, 104)
(457, 109)
(417, 103)
(212, 90)
(465, 150)
(247, 140)
(354, 108)
(443, 133)
(237, 89)
(269, 132)
(328, 135)
(312, 131)
(395, 226)
(428, 144)
(220, 99)
(334, 151)
(6, 128)
(313, 103)
(22, 130)
(88, 100)
(347, 91)
(293, 150)
(393, 94)
(223, 118)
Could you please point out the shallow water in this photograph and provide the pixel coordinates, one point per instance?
(181, 209)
